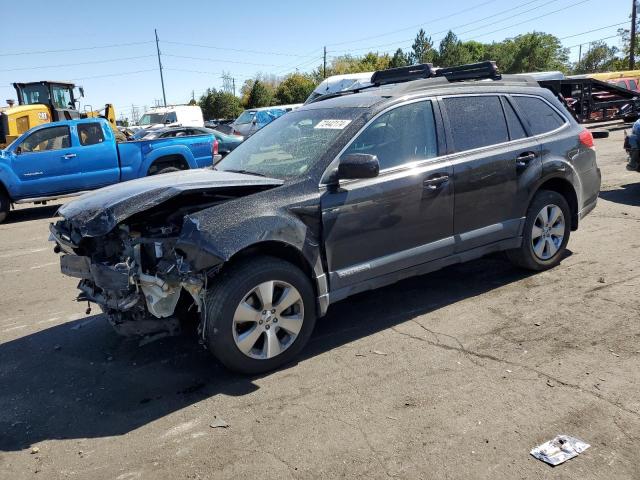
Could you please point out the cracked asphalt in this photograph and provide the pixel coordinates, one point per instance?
(453, 375)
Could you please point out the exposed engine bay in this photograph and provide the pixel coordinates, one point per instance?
(135, 273)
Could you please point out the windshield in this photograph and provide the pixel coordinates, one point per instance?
(246, 117)
(154, 118)
(37, 93)
(289, 146)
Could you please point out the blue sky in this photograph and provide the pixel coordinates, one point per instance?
(243, 38)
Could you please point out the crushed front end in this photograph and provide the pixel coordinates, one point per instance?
(134, 273)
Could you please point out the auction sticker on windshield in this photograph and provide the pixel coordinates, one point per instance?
(333, 124)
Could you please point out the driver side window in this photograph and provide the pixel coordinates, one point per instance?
(402, 135)
(53, 138)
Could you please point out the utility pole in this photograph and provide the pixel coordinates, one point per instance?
(632, 47)
(324, 63)
(164, 96)
(580, 54)
(233, 80)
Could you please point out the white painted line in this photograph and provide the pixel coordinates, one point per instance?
(14, 328)
(48, 320)
(22, 252)
(43, 265)
(10, 271)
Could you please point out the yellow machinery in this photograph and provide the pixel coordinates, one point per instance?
(614, 75)
(44, 102)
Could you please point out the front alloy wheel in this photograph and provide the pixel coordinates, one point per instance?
(268, 319)
(260, 312)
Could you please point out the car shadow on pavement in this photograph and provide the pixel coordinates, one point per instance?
(628, 194)
(80, 380)
(32, 213)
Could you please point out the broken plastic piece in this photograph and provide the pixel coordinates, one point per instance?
(559, 450)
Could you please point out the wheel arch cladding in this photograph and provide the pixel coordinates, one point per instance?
(215, 236)
(566, 189)
(171, 160)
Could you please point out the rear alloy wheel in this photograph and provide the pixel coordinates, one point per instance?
(546, 232)
(260, 312)
(5, 204)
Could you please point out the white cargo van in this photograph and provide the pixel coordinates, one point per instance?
(174, 115)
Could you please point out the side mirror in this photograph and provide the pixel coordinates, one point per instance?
(600, 133)
(358, 165)
(18, 150)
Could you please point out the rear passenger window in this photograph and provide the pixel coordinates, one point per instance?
(516, 130)
(90, 133)
(539, 114)
(633, 85)
(402, 135)
(476, 122)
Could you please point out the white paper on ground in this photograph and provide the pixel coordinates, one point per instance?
(559, 450)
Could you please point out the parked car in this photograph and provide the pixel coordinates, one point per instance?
(64, 158)
(343, 195)
(628, 83)
(252, 120)
(632, 147)
(226, 143)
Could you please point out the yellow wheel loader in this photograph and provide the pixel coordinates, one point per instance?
(44, 102)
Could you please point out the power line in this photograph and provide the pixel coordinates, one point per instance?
(533, 18)
(221, 61)
(594, 30)
(36, 52)
(414, 26)
(257, 52)
(593, 41)
(120, 74)
(501, 12)
(77, 63)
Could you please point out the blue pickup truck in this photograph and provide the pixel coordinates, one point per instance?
(66, 158)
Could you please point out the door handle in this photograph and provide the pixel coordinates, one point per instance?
(523, 160)
(67, 156)
(435, 182)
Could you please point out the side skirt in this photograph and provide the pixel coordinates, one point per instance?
(391, 278)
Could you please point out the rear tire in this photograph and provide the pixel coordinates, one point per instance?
(546, 232)
(250, 335)
(166, 170)
(5, 204)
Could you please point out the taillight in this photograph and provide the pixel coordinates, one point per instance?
(235, 132)
(586, 138)
(214, 147)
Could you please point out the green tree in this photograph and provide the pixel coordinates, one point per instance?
(218, 104)
(260, 95)
(399, 59)
(451, 52)
(600, 58)
(294, 89)
(422, 49)
(537, 52)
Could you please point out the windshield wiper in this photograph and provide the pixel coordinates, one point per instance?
(246, 172)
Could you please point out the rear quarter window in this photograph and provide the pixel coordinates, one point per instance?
(476, 121)
(540, 116)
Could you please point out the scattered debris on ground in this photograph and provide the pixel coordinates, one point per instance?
(559, 450)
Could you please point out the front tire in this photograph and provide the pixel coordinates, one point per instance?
(546, 232)
(5, 204)
(260, 313)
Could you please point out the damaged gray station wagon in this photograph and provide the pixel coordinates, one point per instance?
(356, 190)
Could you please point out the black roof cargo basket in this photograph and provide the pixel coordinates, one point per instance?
(402, 74)
(471, 71)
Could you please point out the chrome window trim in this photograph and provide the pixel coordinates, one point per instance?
(322, 184)
(451, 156)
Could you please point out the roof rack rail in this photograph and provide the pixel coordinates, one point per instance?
(471, 71)
(402, 74)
